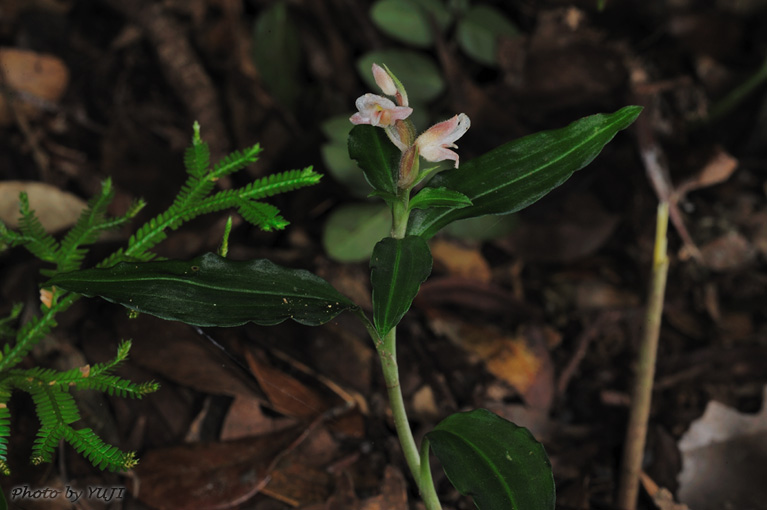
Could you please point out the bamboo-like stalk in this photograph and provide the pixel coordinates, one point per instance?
(636, 432)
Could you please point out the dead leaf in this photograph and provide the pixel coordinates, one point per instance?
(245, 418)
(177, 352)
(460, 261)
(578, 230)
(286, 394)
(56, 209)
(718, 169)
(724, 459)
(727, 252)
(207, 476)
(521, 360)
(31, 75)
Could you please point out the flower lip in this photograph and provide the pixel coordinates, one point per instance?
(378, 111)
(435, 143)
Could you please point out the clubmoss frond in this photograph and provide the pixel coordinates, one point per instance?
(92, 222)
(45, 443)
(6, 331)
(264, 216)
(197, 156)
(235, 161)
(5, 428)
(99, 453)
(35, 239)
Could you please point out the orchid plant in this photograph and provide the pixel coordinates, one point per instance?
(489, 458)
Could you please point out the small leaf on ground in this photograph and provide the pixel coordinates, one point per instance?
(352, 230)
(479, 30)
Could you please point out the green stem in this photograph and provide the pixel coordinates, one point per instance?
(636, 432)
(388, 356)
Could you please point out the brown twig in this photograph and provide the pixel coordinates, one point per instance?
(182, 68)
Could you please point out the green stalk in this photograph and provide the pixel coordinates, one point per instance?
(388, 357)
(636, 432)
(387, 353)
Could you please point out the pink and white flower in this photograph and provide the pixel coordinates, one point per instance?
(435, 143)
(378, 111)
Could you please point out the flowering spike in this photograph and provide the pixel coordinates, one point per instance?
(435, 143)
(378, 111)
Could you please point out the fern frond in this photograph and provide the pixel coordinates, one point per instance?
(99, 453)
(39, 242)
(262, 215)
(236, 161)
(6, 331)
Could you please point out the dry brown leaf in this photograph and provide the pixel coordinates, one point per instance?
(39, 76)
(207, 476)
(246, 419)
(724, 459)
(521, 360)
(286, 394)
(460, 261)
(56, 209)
(177, 352)
(718, 169)
(727, 252)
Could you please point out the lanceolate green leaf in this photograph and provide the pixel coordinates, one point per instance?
(213, 291)
(518, 173)
(397, 269)
(376, 155)
(494, 461)
(439, 197)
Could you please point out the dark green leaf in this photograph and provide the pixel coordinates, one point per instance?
(397, 269)
(376, 155)
(495, 462)
(418, 72)
(408, 20)
(352, 230)
(439, 197)
(213, 291)
(516, 174)
(479, 30)
(277, 53)
(340, 166)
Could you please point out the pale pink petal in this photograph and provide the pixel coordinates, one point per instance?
(384, 80)
(434, 144)
(378, 111)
